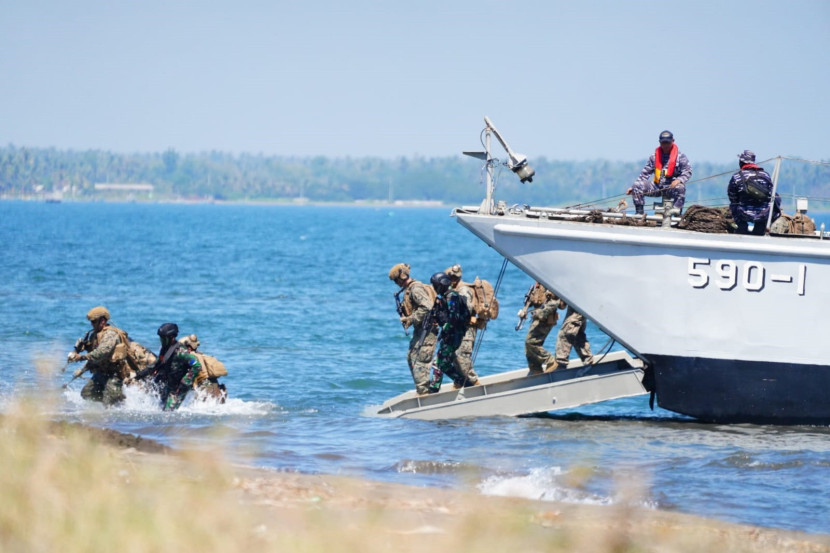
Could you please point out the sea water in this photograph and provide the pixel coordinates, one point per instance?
(296, 301)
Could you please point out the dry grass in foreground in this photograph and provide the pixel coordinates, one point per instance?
(67, 488)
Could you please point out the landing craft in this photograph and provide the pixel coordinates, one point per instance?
(707, 315)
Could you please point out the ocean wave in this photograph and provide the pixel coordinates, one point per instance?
(546, 484)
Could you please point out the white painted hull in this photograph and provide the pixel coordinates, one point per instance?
(669, 295)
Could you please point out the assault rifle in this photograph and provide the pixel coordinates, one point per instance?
(526, 307)
(399, 308)
(74, 378)
(80, 345)
(436, 315)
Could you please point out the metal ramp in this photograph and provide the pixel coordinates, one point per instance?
(515, 393)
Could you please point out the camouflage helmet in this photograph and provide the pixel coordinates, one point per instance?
(168, 330)
(97, 312)
(454, 271)
(190, 341)
(747, 156)
(399, 271)
(440, 282)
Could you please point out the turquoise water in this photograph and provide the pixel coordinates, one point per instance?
(296, 302)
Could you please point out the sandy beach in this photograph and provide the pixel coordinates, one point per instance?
(78, 488)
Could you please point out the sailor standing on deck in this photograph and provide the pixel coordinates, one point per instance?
(417, 303)
(463, 358)
(544, 316)
(665, 172)
(750, 192)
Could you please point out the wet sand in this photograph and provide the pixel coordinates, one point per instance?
(363, 515)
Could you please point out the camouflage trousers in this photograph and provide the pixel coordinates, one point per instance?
(535, 351)
(103, 387)
(175, 397)
(463, 359)
(572, 335)
(638, 191)
(451, 341)
(420, 359)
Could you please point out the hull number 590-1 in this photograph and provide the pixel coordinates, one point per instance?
(750, 275)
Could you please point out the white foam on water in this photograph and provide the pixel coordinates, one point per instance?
(542, 484)
(546, 484)
(139, 400)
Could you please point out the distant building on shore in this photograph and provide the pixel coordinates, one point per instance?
(124, 189)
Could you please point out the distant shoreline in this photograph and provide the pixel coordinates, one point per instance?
(275, 202)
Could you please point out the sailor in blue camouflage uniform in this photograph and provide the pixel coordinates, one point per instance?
(452, 313)
(750, 195)
(175, 370)
(666, 172)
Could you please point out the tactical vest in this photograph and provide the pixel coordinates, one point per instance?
(117, 361)
(408, 305)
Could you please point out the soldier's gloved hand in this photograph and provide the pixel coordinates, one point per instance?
(406, 321)
(78, 372)
(522, 313)
(72, 357)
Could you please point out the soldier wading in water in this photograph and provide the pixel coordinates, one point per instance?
(107, 348)
(174, 372)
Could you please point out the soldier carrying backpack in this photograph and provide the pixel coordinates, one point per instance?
(750, 196)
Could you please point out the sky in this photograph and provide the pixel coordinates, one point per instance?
(577, 80)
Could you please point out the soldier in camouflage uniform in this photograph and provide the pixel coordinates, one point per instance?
(418, 301)
(544, 317)
(747, 207)
(452, 312)
(572, 335)
(105, 359)
(205, 385)
(175, 370)
(665, 172)
(463, 358)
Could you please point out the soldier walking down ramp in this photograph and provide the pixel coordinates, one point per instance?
(572, 335)
(463, 357)
(418, 300)
(452, 312)
(544, 317)
(106, 358)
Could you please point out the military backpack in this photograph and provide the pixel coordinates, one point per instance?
(485, 303)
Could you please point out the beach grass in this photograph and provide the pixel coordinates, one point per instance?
(68, 488)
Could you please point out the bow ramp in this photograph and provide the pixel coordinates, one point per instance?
(514, 393)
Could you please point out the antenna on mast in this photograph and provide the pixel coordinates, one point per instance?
(515, 162)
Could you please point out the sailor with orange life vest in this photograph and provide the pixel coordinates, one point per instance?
(666, 172)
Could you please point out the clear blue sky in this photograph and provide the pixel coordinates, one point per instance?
(567, 80)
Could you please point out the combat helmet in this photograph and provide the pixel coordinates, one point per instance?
(97, 312)
(168, 330)
(440, 282)
(191, 341)
(399, 272)
(454, 271)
